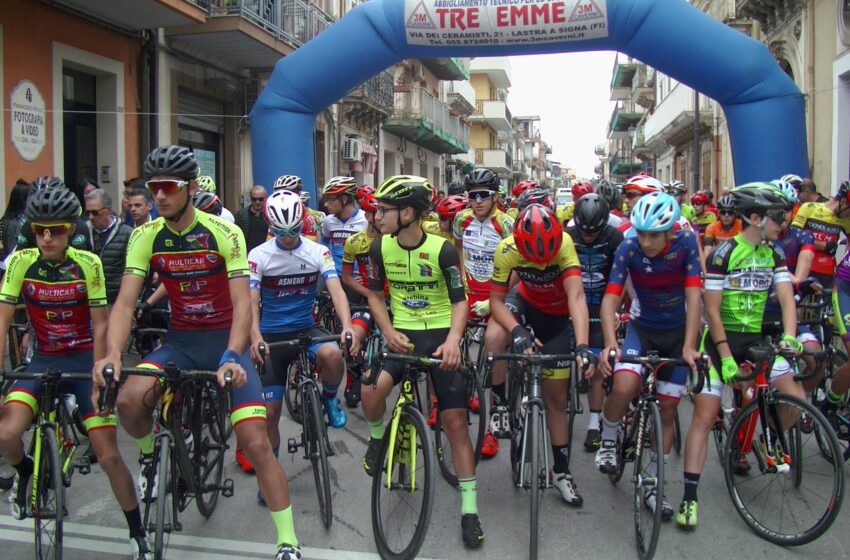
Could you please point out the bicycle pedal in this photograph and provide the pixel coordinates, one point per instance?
(227, 488)
(331, 450)
(292, 445)
(83, 464)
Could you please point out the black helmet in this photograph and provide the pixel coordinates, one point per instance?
(207, 202)
(591, 213)
(481, 177)
(171, 161)
(45, 181)
(406, 190)
(726, 202)
(534, 196)
(53, 204)
(456, 187)
(609, 192)
(758, 197)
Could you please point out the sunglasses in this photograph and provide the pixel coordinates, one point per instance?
(480, 195)
(294, 231)
(94, 213)
(55, 230)
(168, 186)
(777, 216)
(258, 199)
(726, 212)
(633, 194)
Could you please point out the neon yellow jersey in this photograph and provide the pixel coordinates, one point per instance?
(565, 213)
(512, 213)
(434, 229)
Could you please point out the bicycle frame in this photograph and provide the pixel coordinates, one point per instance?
(533, 384)
(406, 398)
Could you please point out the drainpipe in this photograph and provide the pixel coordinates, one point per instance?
(148, 88)
(810, 81)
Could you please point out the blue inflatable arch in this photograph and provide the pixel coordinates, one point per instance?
(764, 108)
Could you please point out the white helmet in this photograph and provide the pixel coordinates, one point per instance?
(288, 182)
(284, 212)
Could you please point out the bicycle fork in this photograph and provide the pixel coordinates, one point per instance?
(535, 399)
(407, 453)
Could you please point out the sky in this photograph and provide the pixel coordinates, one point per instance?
(570, 92)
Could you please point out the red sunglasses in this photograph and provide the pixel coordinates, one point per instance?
(168, 186)
(40, 230)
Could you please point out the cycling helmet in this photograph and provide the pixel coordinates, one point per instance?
(843, 191)
(284, 211)
(207, 202)
(206, 184)
(535, 196)
(643, 184)
(788, 190)
(591, 213)
(609, 192)
(481, 177)
(655, 212)
(758, 196)
(406, 190)
(456, 187)
(53, 203)
(44, 182)
(795, 180)
(448, 208)
(700, 197)
(363, 190)
(368, 203)
(581, 189)
(289, 182)
(538, 234)
(338, 186)
(171, 161)
(678, 187)
(523, 186)
(726, 202)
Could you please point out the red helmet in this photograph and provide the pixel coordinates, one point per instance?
(581, 189)
(700, 197)
(363, 190)
(523, 186)
(368, 203)
(643, 184)
(538, 234)
(448, 208)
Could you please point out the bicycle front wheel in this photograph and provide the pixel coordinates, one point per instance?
(316, 450)
(403, 488)
(648, 478)
(209, 444)
(164, 501)
(291, 395)
(769, 499)
(477, 427)
(50, 499)
(535, 448)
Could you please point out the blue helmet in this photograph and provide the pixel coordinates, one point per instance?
(787, 189)
(656, 211)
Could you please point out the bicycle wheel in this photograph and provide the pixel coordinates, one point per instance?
(291, 394)
(164, 513)
(477, 427)
(516, 418)
(402, 496)
(677, 434)
(648, 476)
(626, 443)
(769, 501)
(315, 449)
(840, 423)
(535, 449)
(50, 501)
(209, 444)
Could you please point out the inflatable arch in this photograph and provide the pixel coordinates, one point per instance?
(764, 109)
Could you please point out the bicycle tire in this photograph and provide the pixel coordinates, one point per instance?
(625, 446)
(50, 500)
(795, 442)
(516, 392)
(841, 414)
(477, 428)
(535, 449)
(677, 434)
(412, 432)
(291, 394)
(164, 515)
(209, 445)
(647, 523)
(820, 479)
(315, 449)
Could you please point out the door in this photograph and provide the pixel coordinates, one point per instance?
(79, 121)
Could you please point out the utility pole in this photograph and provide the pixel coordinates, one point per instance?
(695, 160)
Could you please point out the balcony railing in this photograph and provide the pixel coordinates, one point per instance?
(294, 21)
(419, 104)
(378, 90)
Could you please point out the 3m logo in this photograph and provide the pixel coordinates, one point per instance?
(586, 10)
(420, 18)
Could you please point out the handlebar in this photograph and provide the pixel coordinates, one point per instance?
(412, 359)
(654, 361)
(106, 401)
(765, 356)
(533, 359)
(49, 374)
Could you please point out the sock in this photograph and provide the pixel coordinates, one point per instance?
(376, 429)
(498, 392)
(329, 391)
(562, 458)
(691, 483)
(134, 522)
(594, 419)
(145, 444)
(468, 495)
(609, 429)
(833, 398)
(25, 467)
(285, 526)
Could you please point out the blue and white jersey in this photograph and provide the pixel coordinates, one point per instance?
(336, 231)
(287, 282)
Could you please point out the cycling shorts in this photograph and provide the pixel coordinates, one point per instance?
(804, 332)
(364, 320)
(738, 344)
(552, 330)
(26, 392)
(449, 386)
(670, 381)
(841, 308)
(202, 350)
(275, 369)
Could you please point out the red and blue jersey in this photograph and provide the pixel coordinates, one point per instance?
(792, 242)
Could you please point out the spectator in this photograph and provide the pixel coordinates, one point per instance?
(109, 238)
(13, 218)
(809, 192)
(251, 220)
(131, 185)
(85, 186)
(139, 205)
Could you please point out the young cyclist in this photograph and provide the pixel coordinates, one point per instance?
(516, 192)
(739, 274)
(702, 217)
(202, 263)
(429, 317)
(344, 218)
(312, 218)
(726, 227)
(65, 294)
(633, 190)
(678, 189)
(447, 209)
(664, 269)
(826, 221)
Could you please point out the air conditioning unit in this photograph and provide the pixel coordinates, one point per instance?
(352, 150)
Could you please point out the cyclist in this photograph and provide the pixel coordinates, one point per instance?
(796, 183)
(312, 218)
(678, 189)
(429, 317)
(446, 209)
(284, 280)
(663, 266)
(633, 190)
(65, 293)
(201, 260)
(739, 274)
(611, 194)
(26, 238)
(207, 184)
(702, 218)
(344, 218)
(726, 227)
(595, 241)
(518, 189)
(455, 188)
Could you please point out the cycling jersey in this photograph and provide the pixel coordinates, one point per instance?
(288, 281)
(596, 259)
(58, 297)
(355, 256)
(744, 273)
(480, 239)
(792, 242)
(512, 212)
(715, 233)
(541, 285)
(658, 282)
(195, 266)
(701, 222)
(687, 211)
(424, 281)
(826, 227)
(335, 231)
(434, 229)
(565, 212)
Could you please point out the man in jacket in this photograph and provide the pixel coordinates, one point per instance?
(109, 237)
(251, 220)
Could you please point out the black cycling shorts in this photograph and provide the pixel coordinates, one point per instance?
(552, 330)
(276, 366)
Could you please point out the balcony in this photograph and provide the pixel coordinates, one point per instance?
(521, 170)
(643, 87)
(621, 121)
(599, 149)
(426, 121)
(254, 33)
(770, 13)
(448, 68)
(621, 80)
(371, 102)
(461, 97)
(143, 14)
(497, 69)
(494, 113)
(498, 160)
(623, 168)
(640, 149)
(671, 124)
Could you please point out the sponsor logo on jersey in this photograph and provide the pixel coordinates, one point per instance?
(425, 270)
(416, 303)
